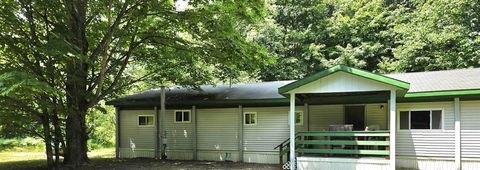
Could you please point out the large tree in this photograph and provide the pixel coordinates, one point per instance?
(78, 52)
(438, 35)
(307, 36)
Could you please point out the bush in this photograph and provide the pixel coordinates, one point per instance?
(101, 124)
(28, 143)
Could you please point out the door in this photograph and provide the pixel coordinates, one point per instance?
(355, 115)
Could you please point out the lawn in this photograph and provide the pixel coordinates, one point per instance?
(104, 159)
(25, 159)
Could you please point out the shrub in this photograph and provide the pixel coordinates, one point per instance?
(28, 143)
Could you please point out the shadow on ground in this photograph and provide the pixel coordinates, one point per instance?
(121, 164)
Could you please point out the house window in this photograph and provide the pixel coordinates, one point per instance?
(298, 118)
(421, 119)
(182, 116)
(250, 118)
(145, 120)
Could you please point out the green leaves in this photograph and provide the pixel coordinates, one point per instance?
(21, 83)
(381, 36)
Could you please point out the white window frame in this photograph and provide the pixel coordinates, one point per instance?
(442, 122)
(301, 120)
(245, 119)
(138, 120)
(183, 118)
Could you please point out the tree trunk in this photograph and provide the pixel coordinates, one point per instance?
(76, 137)
(76, 85)
(58, 137)
(76, 129)
(48, 141)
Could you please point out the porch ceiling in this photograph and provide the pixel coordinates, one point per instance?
(345, 97)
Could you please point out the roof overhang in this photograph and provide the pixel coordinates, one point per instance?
(289, 88)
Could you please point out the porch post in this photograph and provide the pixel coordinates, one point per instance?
(117, 132)
(240, 135)
(194, 132)
(157, 131)
(164, 123)
(292, 131)
(458, 149)
(393, 128)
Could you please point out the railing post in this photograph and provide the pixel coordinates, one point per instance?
(356, 146)
(387, 148)
(325, 146)
(281, 155)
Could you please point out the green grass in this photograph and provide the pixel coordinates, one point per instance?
(24, 159)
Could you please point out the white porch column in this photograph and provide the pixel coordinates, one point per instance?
(393, 128)
(458, 156)
(292, 131)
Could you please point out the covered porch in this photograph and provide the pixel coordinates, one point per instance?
(355, 142)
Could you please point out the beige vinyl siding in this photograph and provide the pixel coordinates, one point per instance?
(376, 115)
(470, 115)
(470, 125)
(143, 137)
(271, 129)
(321, 116)
(217, 129)
(179, 135)
(427, 143)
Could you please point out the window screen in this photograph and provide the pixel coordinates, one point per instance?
(145, 120)
(404, 120)
(436, 119)
(424, 119)
(186, 116)
(182, 116)
(420, 120)
(178, 116)
(250, 118)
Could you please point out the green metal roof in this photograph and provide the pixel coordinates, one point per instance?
(362, 73)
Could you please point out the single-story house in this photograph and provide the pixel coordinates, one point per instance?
(339, 118)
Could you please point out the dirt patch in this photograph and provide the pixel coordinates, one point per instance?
(171, 164)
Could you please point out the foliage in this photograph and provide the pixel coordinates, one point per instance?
(61, 58)
(21, 143)
(439, 35)
(376, 35)
(101, 125)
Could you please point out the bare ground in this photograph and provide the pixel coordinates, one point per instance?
(127, 164)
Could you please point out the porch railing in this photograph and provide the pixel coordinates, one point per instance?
(338, 143)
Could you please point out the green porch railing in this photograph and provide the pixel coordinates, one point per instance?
(333, 143)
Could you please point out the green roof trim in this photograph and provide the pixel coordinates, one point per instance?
(354, 71)
(443, 93)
